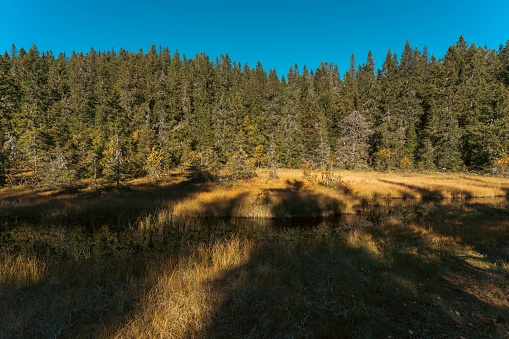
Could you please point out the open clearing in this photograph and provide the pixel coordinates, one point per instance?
(384, 254)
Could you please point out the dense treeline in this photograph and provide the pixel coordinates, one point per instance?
(121, 114)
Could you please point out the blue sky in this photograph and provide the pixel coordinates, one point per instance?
(278, 33)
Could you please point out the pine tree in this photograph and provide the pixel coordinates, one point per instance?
(348, 92)
(326, 83)
(411, 144)
(504, 61)
(113, 160)
(368, 89)
(447, 141)
(291, 133)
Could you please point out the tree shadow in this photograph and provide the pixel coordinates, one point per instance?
(506, 190)
(425, 194)
(94, 256)
(482, 227)
(294, 201)
(377, 281)
(115, 206)
(354, 276)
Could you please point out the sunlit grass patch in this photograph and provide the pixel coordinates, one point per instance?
(257, 199)
(361, 240)
(20, 269)
(181, 304)
(421, 185)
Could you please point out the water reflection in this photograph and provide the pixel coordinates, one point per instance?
(77, 240)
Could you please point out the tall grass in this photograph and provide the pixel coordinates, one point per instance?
(425, 276)
(181, 303)
(127, 262)
(21, 270)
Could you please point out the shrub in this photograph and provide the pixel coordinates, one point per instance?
(501, 166)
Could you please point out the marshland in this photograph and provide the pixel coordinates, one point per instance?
(153, 194)
(381, 254)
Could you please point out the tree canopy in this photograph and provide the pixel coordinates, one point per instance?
(116, 115)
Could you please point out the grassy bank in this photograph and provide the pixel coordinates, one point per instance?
(123, 262)
(288, 196)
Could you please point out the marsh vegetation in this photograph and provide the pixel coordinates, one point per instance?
(385, 254)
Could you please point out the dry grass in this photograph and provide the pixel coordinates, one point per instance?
(442, 272)
(422, 186)
(138, 268)
(181, 303)
(292, 196)
(288, 196)
(20, 270)
(400, 279)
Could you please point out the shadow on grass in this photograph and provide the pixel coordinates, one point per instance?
(365, 277)
(96, 261)
(114, 206)
(404, 279)
(506, 190)
(295, 202)
(425, 194)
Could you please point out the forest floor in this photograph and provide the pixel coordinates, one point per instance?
(402, 256)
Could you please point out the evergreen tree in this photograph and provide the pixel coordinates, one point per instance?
(390, 124)
(290, 133)
(504, 60)
(368, 89)
(411, 144)
(113, 160)
(348, 92)
(447, 141)
(129, 114)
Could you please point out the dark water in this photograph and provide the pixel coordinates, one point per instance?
(98, 273)
(89, 240)
(81, 241)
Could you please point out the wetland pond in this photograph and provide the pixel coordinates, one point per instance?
(399, 268)
(127, 233)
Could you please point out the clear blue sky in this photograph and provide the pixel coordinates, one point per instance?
(278, 33)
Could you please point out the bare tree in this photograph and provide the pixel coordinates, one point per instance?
(352, 150)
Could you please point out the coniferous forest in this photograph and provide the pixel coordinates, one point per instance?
(117, 115)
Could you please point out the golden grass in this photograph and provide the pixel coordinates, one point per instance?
(20, 270)
(393, 280)
(292, 196)
(422, 185)
(402, 266)
(287, 196)
(181, 304)
(432, 275)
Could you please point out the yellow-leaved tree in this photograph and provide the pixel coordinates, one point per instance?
(501, 166)
(154, 163)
